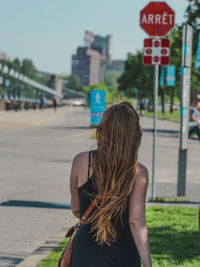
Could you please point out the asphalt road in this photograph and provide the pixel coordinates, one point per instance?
(34, 177)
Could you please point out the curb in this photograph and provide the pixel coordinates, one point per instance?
(39, 122)
(43, 251)
(174, 204)
(177, 122)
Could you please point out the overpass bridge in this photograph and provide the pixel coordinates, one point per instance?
(18, 91)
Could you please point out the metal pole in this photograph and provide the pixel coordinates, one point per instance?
(154, 129)
(185, 107)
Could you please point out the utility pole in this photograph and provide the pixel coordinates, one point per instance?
(185, 107)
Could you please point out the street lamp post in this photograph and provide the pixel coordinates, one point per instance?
(5, 72)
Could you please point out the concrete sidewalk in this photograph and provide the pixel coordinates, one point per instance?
(10, 120)
(53, 242)
(167, 149)
(43, 251)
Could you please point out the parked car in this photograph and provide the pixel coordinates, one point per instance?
(79, 102)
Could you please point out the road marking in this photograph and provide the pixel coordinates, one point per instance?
(78, 134)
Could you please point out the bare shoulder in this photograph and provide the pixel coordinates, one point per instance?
(141, 169)
(81, 158)
(142, 173)
(141, 182)
(80, 167)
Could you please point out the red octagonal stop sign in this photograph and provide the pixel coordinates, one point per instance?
(157, 19)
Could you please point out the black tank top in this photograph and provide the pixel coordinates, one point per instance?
(87, 252)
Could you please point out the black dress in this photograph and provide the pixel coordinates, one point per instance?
(88, 253)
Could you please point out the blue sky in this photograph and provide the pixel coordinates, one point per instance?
(48, 31)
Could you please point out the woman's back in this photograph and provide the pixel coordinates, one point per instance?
(86, 250)
(115, 234)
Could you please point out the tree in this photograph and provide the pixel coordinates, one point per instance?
(16, 64)
(192, 15)
(136, 75)
(111, 80)
(176, 57)
(73, 82)
(28, 68)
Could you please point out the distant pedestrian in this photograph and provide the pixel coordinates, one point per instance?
(115, 234)
(141, 107)
(55, 101)
(194, 123)
(42, 102)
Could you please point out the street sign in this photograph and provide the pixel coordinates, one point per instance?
(157, 19)
(156, 51)
(171, 75)
(97, 105)
(185, 106)
(162, 76)
(187, 46)
(197, 65)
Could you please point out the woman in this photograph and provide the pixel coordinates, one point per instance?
(116, 234)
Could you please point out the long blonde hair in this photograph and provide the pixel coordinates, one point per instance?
(114, 165)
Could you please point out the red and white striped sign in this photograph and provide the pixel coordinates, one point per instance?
(156, 52)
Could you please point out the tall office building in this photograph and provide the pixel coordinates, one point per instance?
(92, 62)
(86, 64)
(92, 40)
(105, 42)
(117, 66)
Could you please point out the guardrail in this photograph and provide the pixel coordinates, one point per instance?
(18, 90)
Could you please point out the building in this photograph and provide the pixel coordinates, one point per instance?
(86, 64)
(117, 66)
(4, 56)
(93, 61)
(105, 42)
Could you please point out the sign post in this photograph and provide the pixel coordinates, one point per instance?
(155, 95)
(185, 107)
(156, 19)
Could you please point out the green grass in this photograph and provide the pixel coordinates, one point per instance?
(173, 235)
(175, 116)
(52, 259)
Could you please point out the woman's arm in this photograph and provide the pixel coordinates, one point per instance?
(137, 215)
(74, 187)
